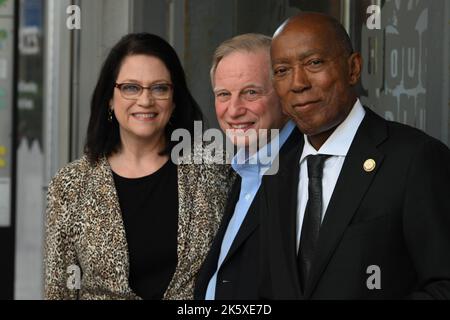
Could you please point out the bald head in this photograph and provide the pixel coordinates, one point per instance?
(323, 24)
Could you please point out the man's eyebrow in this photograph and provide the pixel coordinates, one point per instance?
(280, 60)
(219, 89)
(308, 53)
(301, 56)
(245, 86)
(252, 85)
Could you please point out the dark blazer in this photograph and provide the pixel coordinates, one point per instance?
(239, 276)
(396, 217)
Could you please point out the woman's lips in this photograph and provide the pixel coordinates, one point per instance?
(145, 116)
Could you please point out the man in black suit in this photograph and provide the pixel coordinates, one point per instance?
(360, 208)
(245, 101)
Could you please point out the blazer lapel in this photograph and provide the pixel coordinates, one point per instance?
(109, 216)
(251, 220)
(249, 224)
(210, 264)
(351, 187)
(282, 189)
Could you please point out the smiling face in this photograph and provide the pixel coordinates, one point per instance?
(314, 76)
(143, 118)
(244, 96)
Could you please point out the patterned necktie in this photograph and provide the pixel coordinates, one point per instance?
(312, 218)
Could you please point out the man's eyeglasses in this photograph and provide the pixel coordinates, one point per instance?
(132, 91)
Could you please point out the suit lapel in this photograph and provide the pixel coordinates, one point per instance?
(210, 264)
(251, 220)
(248, 226)
(288, 203)
(282, 189)
(350, 189)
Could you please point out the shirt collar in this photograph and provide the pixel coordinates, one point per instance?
(252, 164)
(340, 140)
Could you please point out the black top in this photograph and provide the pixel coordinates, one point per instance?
(150, 213)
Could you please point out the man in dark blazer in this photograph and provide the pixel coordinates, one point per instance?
(383, 207)
(245, 100)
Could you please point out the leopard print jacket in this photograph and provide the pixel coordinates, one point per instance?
(86, 254)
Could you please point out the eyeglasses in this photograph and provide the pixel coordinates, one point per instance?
(132, 91)
(250, 94)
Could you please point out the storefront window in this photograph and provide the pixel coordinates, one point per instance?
(406, 64)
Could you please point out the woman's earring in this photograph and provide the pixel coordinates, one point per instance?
(110, 115)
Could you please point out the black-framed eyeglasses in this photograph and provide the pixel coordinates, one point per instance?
(132, 91)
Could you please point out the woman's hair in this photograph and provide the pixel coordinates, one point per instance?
(103, 138)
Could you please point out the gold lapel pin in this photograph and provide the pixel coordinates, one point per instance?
(369, 165)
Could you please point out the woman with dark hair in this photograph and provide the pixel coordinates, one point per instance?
(125, 222)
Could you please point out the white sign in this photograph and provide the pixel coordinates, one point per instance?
(3, 69)
(5, 214)
(29, 41)
(6, 7)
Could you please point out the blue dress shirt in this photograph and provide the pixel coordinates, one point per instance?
(251, 172)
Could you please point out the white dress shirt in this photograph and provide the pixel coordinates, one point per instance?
(337, 146)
